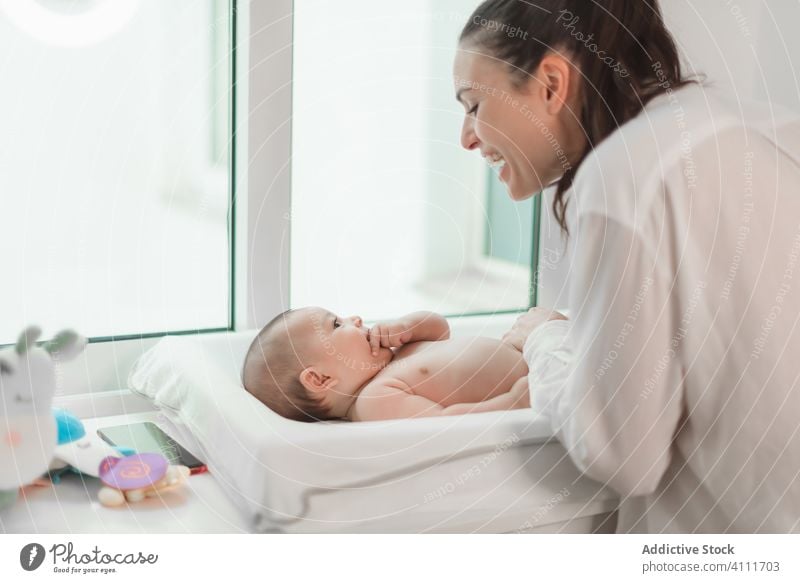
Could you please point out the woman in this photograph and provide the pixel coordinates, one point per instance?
(674, 381)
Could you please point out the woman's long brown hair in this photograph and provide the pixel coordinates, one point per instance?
(625, 53)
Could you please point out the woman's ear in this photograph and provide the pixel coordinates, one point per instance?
(554, 79)
(315, 381)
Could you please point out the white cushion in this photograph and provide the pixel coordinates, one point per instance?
(274, 467)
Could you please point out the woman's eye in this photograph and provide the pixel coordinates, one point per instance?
(473, 110)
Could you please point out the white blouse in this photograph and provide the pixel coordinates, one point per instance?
(676, 380)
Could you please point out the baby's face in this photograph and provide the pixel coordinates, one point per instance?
(340, 346)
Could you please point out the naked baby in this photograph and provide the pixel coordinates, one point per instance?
(310, 364)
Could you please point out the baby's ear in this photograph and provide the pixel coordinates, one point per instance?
(315, 381)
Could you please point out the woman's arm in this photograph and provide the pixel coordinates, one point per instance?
(610, 379)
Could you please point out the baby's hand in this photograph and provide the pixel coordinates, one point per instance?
(391, 334)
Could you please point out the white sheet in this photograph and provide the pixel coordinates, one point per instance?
(493, 471)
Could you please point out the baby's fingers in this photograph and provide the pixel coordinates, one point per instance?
(395, 337)
(387, 337)
(374, 337)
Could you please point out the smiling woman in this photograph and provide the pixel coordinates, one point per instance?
(528, 159)
(553, 79)
(670, 380)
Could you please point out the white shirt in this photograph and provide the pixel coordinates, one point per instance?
(677, 379)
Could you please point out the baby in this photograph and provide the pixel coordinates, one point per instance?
(309, 365)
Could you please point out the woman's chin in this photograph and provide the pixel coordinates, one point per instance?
(519, 194)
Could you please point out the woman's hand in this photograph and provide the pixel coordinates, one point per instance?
(527, 323)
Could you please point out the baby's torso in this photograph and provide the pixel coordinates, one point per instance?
(459, 370)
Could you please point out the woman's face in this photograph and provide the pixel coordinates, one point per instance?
(512, 126)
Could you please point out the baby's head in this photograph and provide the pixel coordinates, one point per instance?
(309, 364)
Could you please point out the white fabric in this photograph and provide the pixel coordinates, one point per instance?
(675, 381)
(492, 471)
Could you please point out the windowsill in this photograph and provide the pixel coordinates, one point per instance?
(489, 285)
(200, 506)
(104, 404)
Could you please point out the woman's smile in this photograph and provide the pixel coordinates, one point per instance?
(499, 165)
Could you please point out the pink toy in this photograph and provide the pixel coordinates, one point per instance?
(133, 472)
(136, 477)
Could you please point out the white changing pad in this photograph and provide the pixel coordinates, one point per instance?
(489, 472)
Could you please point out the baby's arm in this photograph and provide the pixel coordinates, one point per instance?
(517, 398)
(427, 326)
(414, 327)
(393, 400)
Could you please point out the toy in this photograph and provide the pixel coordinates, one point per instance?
(77, 451)
(34, 438)
(137, 477)
(28, 428)
(69, 427)
(86, 454)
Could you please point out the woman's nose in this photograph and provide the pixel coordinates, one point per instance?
(468, 138)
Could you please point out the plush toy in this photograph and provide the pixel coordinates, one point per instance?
(27, 428)
(137, 477)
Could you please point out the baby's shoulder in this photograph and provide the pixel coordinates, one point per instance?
(383, 382)
(381, 394)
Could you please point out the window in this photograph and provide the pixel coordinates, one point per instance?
(132, 151)
(115, 166)
(389, 213)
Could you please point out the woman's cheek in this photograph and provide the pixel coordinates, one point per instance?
(485, 124)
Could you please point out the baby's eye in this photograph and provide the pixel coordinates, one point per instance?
(336, 323)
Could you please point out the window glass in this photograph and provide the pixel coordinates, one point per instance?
(114, 165)
(389, 213)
